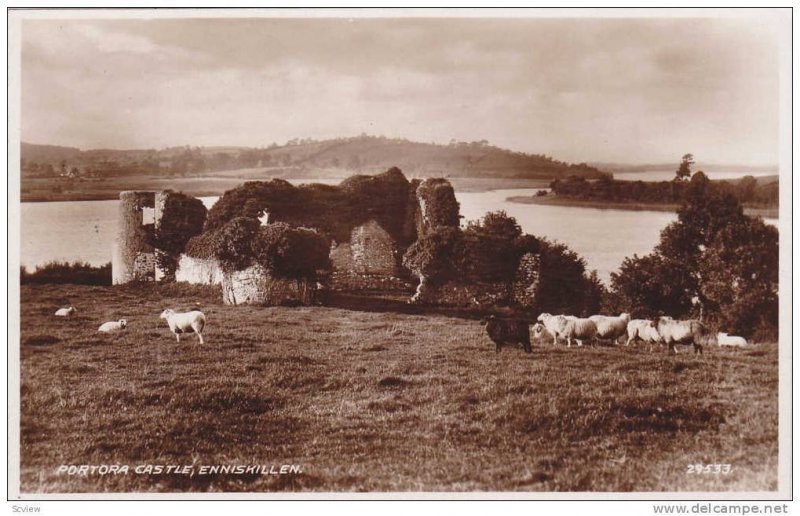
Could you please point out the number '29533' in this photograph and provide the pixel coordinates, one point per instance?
(708, 469)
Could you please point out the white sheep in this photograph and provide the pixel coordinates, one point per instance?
(185, 322)
(611, 327)
(112, 326)
(580, 330)
(65, 312)
(554, 324)
(644, 329)
(723, 339)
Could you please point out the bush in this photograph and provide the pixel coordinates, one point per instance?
(280, 248)
(232, 245)
(183, 217)
(492, 248)
(291, 252)
(78, 273)
(438, 256)
(489, 250)
(565, 287)
(333, 210)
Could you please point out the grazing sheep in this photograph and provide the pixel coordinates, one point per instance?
(65, 312)
(611, 327)
(185, 322)
(555, 325)
(643, 329)
(508, 332)
(684, 332)
(580, 330)
(570, 327)
(723, 339)
(112, 326)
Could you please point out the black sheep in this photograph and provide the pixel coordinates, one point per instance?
(508, 332)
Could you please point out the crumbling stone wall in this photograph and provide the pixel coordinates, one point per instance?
(201, 271)
(526, 280)
(373, 250)
(144, 266)
(520, 292)
(369, 261)
(467, 295)
(256, 286)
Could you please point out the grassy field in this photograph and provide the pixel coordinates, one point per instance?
(370, 401)
(554, 200)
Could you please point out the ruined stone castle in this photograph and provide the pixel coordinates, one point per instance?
(369, 220)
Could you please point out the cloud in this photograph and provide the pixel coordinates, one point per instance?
(578, 89)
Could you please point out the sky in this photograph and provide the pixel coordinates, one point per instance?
(581, 90)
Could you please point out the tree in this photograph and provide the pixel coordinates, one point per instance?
(739, 278)
(713, 262)
(491, 245)
(685, 168)
(648, 286)
(564, 285)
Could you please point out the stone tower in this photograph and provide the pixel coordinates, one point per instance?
(134, 257)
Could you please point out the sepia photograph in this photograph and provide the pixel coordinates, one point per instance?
(400, 253)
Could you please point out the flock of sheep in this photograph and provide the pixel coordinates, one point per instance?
(663, 331)
(179, 322)
(513, 332)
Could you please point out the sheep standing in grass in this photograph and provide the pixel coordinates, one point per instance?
(112, 326)
(643, 329)
(554, 324)
(611, 327)
(185, 322)
(684, 332)
(723, 339)
(571, 328)
(508, 332)
(65, 312)
(580, 330)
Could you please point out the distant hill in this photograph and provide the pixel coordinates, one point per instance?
(48, 153)
(307, 158)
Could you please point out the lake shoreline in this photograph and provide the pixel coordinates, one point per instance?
(550, 200)
(199, 187)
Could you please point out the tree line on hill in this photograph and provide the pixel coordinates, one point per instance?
(362, 153)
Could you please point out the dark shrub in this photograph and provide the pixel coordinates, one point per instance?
(78, 273)
(334, 210)
(491, 243)
(292, 252)
(232, 244)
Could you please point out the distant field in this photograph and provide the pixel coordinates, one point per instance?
(554, 200)
(42, 190)
(369, 401)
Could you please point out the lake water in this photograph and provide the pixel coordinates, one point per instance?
(85, 230)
